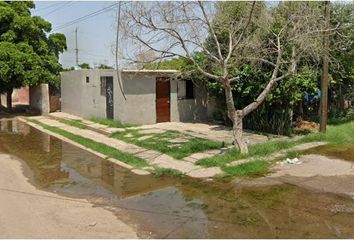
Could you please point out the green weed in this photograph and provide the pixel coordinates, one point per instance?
(339, 134)
(73, 122)
(166, 172)
(292, 154)
(111, 123)
(96, 146)
(161, 142)
(253, 168)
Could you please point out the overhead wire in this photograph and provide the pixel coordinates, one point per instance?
(65, 5)
(47, 7)
(86, 17)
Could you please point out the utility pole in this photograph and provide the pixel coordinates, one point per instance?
(324, 83)
(76, 49)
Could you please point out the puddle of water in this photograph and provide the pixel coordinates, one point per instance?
(181, 207)
(345, 152)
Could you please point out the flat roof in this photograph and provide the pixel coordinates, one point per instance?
(157, 71)
(149, 71)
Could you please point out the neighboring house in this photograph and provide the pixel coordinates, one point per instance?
(152, 96)
(37, 98)
(20, 96)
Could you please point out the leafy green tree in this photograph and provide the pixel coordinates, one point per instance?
(239, 34)
(85, 66)
(342, 52)
(28, 55)
(104, 66)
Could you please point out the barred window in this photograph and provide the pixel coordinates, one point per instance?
(185, 89)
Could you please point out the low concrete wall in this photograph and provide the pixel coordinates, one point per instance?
(3, 100)
(39, 98)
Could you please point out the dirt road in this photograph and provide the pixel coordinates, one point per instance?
(316, 172)
(27, 212)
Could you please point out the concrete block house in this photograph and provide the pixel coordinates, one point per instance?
(151, 96)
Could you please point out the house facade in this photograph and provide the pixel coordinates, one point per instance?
(141, 97)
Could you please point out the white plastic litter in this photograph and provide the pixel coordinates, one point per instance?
(289, 161)
(293, 161)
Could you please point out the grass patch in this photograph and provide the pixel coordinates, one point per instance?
(96, 146)
(292, 154)
(221, 160)
(267, 148)
(253, 168)
(159, 172)
(111, 123)
(73, 122)
(161, 142)
(338, 134)
(256, 150)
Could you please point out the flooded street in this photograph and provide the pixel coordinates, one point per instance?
(345, 152)
(163, 207)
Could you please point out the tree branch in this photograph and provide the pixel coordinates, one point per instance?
(232, 47)
(211, 29)
(263, 95)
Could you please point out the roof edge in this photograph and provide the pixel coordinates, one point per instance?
(149, 71)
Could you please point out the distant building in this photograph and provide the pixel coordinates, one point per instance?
(152, 96)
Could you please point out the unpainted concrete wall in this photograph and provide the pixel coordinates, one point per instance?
(139, 107)
(82, 98)
(39, 98)
(193, 109)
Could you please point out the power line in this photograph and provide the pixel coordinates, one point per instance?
(66, 4)
(47, 7)
(88, 16)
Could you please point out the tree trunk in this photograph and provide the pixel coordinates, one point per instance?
(237, 130)
(324, 82)
(236, 118)
(301, 110)
(9, 99)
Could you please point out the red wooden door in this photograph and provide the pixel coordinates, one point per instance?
(162, 99)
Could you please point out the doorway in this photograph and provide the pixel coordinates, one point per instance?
(109, 97)
(162, 99)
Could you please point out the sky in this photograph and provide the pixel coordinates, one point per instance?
(96, 35)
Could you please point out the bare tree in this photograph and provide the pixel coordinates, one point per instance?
(181, 28)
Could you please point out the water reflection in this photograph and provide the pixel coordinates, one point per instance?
(344, 151)
(178, 208)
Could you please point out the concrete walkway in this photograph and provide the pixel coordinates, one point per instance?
(152, 157)
(100, 128)
(202, 130)
(208, 131)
